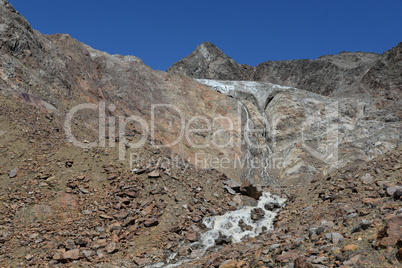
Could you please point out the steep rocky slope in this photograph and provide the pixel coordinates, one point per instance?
(209, 62)
(350, 218)
(57, 72)
(67, 207)
(61, 204)
(110, 203)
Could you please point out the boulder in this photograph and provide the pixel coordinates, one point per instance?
(73, 254)
(154, 174)
(151, 222)
(391, 234)
(257, 214)
(250, 190)
(13, 173)
(301, 262)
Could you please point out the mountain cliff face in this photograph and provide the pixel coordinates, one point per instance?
(364, 88)
(308, 134)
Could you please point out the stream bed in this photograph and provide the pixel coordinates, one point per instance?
(232, 227)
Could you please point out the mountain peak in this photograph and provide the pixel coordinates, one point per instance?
(209, 50)
(209, 62)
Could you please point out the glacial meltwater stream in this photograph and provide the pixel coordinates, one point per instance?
(248, 221)
(232, 227)
(242, 223)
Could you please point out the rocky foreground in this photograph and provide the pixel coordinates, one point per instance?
(62, 207)
(350, 218)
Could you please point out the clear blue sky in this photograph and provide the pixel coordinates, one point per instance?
(253, 31)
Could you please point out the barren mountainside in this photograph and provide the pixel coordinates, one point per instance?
(105, 162)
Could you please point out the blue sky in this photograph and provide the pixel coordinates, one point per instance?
(163, 32)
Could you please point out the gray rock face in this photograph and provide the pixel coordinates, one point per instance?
(307, 133)
(324, 76)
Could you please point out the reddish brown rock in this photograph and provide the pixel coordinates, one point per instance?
(121, 215)
(391, 233)
(57, 256)
(250, 190)
(288, 256)
(229, 264)
(351, 247)
(301, 262)
(372, 201)
(65, 200)
(151, 222)
(353, 261)
(147, 210)
(184, 251)
(154, 174)
(73, 254)
(106, 217)
(192, 236)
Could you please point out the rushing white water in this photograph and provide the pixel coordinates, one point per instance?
(238, 224)
(233, 227)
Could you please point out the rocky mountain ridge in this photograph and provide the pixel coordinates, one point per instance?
(349, 72)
